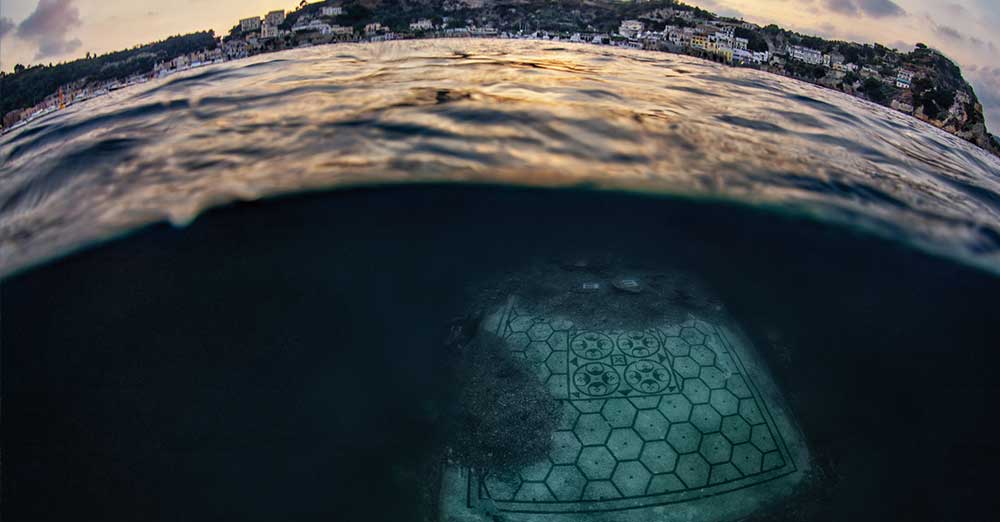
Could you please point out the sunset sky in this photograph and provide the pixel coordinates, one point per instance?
(33, 31)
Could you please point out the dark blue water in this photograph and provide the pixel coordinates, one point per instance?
(286, 358)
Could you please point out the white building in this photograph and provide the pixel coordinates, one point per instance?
(681, 36)
(904, 79)
(805, 54)
(250, 24)
(342, 30)
(630, 28)
(742, 55)
(275, 18)
(313, 26)
(268, 31)
(373, 28)
(422, 25)
(331, 11)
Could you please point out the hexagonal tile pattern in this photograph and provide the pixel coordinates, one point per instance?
(701, 427)
(686, 367)
(600, 490)
(624, 444)
(592, 429)
(534, 492)
(761, 437)
(692, 336)
(773, 460)
(712, 377)
(703, 355)
(619, 413)
(725, 472)
(676, 408)
(705, 418)
(684, 437)
(715, 448)
(651, 425)
(568, 417)
(556, 362)
(589, 406)
(540, 332)
(737, 385)
(596, 462)
(696, 391)
(537, 471)
(750, 412)
(664, 484)
(566, 483)
(692, 470)
(724, 402)
(503, 487)
(747, 458)
(537, 352)
(541, 371)
(558, 341)
(565, 447)
(631, 478)
(522, 323)
(557, 385)
(658, 457)
(677, 347)
(645, 403)
(736, 429)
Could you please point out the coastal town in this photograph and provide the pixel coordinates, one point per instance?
(922, 82)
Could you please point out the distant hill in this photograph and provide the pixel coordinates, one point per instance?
(28, 86)
(939, 94)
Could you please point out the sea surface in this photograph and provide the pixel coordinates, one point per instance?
(233, 293)
(489, 111)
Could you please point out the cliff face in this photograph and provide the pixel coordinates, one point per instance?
(940, 96)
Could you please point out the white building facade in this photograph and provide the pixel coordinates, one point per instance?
(805, 54)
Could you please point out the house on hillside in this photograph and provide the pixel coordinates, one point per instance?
(275, 18)
(805, 54)
(424, 24)
(250, 24)
(904, 79)
(630, 28)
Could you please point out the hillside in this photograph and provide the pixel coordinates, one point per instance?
(28, 86)
(933, 87)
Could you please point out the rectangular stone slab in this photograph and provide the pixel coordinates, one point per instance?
(668, 422)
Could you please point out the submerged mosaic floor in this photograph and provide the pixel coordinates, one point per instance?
(651, 418)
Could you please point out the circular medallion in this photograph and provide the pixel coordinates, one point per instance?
(647, 376)
(592, 345)
(596, 379)
(638, 344)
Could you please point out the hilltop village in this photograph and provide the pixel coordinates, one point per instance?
(922, 82)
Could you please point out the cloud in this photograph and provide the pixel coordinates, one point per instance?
(948, 32)
(872, 8)
(986, 81)
(6, 25)
(48, 28)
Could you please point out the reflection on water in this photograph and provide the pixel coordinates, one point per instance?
(487, 111)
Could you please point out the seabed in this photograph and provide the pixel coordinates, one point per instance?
(672, 421)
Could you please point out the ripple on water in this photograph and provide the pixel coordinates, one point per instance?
(490, 110)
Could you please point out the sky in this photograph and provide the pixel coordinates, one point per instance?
(43, 31)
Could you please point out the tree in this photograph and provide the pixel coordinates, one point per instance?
(18, 68)
(873, 89)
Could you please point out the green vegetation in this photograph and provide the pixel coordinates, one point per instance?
(30, 85)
